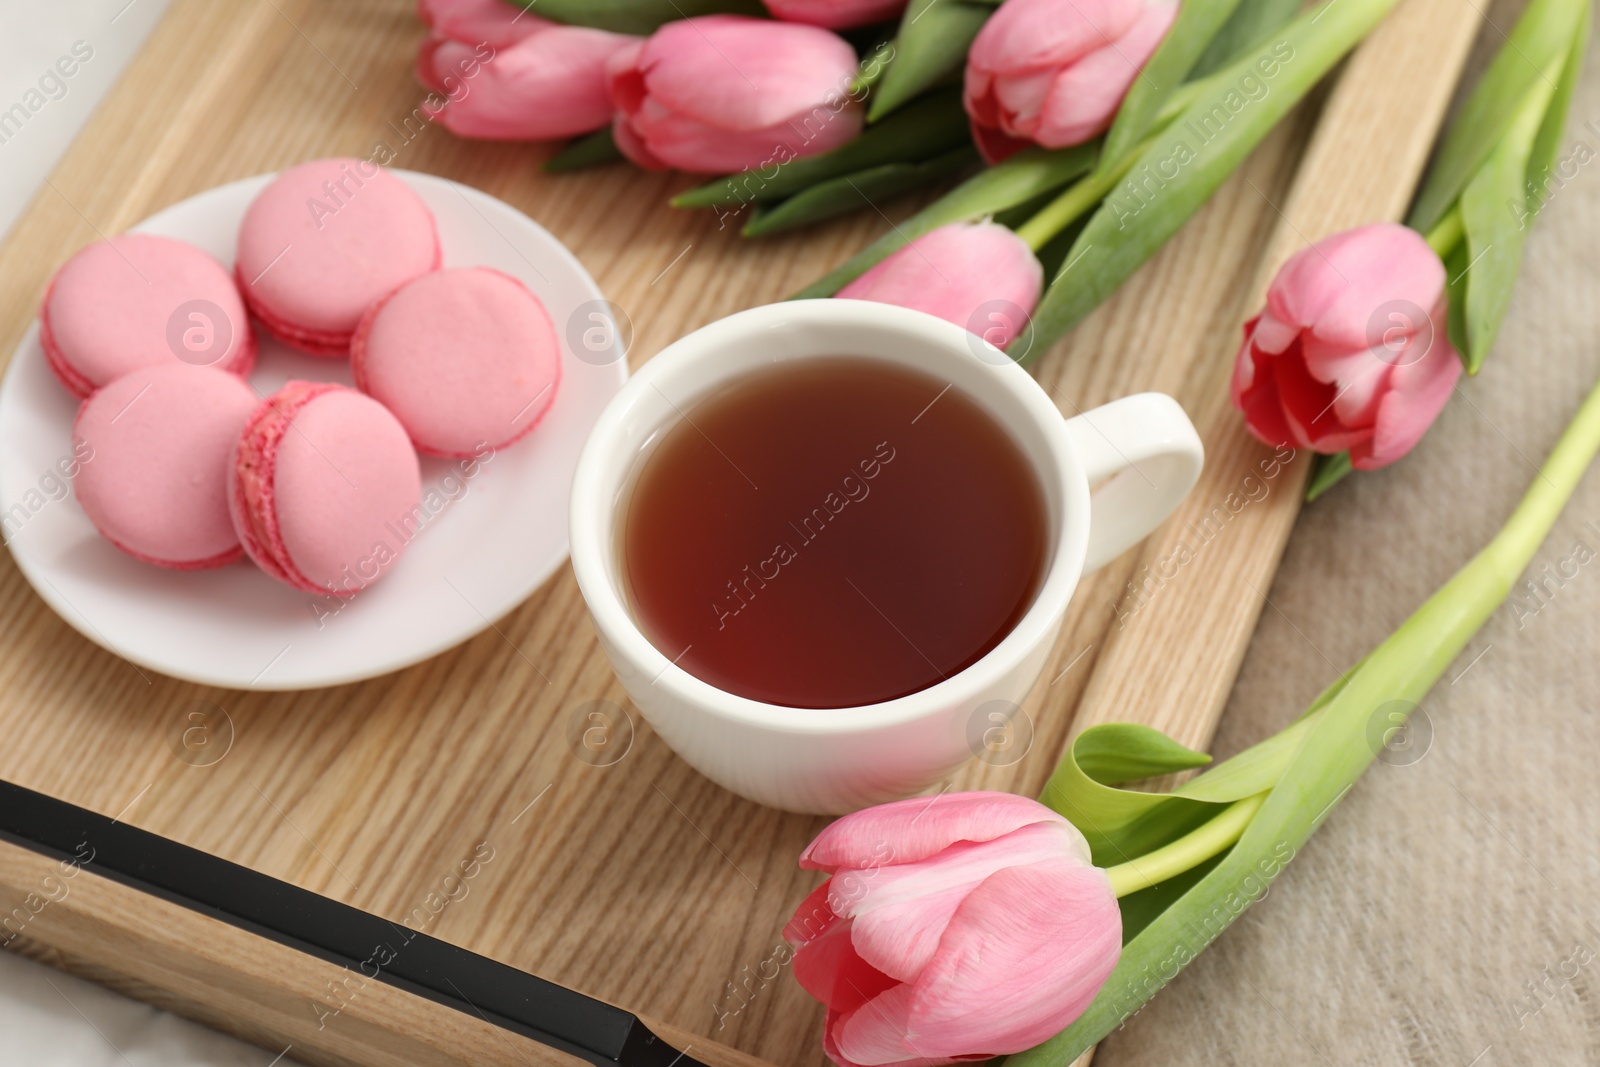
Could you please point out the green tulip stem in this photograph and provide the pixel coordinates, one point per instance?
(1515, 545)
(1189, 851)
(1444, 237)
(1078, 198)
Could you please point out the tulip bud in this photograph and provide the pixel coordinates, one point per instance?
(960, 273)
(724, 93)
(1054, 72)
(512, 77)
(836, 14)
(549, 85)
(492, 22)
(965, 926)
(1351, 351)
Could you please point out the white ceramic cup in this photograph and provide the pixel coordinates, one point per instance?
(1141, 453)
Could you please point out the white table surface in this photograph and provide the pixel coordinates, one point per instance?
(49, 1019)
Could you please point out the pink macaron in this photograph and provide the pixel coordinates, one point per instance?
(466, 359)
(324, 488)
(155, 446)
(325, 240)
(138, 301)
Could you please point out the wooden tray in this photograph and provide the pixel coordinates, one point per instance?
(640, 883)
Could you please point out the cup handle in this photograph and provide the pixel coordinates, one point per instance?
(1142, 456)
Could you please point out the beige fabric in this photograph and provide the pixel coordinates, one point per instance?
(1448, 912)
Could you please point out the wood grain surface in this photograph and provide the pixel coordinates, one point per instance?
(640, 883)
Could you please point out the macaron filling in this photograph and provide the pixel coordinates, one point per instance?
(252, 498)
(329, 344)
(324, 487)
(69, 376)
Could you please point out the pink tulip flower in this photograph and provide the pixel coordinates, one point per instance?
(1054, 72)
(724, 93)
(836, 14)
(955, 928)
(978, 275)
(508, 76)
(1351, 351)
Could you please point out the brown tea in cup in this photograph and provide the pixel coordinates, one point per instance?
(832, 533)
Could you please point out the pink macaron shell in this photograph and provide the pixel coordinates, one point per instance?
(323, 241)
(139, 300)
(326, 488)
(466, 359)
(155, 445)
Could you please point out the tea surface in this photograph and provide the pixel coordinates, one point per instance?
(832, 532)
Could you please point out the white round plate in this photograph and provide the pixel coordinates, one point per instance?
(491, 540)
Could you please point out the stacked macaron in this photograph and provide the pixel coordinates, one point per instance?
(189, 467)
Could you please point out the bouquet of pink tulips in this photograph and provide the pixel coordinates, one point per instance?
(806, 109)
(1093, 173)
(1105, 124)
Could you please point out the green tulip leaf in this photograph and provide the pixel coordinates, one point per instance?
(1494, 212)
(1197, 23)
(852, 192)
(932, 126)
(597, 148)
(1547, 146)
(930, 48)
(1534, 52)
(1328, 472)
(1023, 177)
(1141, 909)
(1248, 26)
(636, 16)
(1185, 163)
(880, 54)
(1253, 771)
(1122, 824)
(1119, 752)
